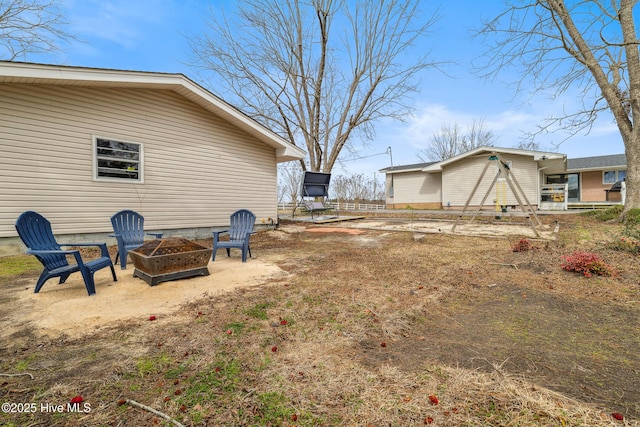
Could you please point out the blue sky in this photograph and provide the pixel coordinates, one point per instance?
(152, 35)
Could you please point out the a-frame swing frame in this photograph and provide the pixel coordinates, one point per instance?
(518, 193)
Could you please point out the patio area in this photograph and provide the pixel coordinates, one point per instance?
(66, 309)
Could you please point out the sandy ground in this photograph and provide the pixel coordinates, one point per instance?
(464, 228)
(499, 228)
(335, 230)
(68, 309)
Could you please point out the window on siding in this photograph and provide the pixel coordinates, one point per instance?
(117, 160)
(611, 177)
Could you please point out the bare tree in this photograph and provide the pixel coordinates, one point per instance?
(30, 27)
(451, 141)
(318, 72)
(530, 144)
(357, 188)
(289, 182)
(340, 188)
(591, 46)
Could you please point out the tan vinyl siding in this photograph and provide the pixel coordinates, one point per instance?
(197, 168)
(412, 188)
(459, 179)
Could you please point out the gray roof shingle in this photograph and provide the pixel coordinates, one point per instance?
(597, 162)
(582, 163)
(400, 168)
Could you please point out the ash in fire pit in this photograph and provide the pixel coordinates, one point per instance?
(173, 258)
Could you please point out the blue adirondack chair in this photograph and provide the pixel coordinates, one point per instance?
(128, 229)
(35, 231)
(240, 231)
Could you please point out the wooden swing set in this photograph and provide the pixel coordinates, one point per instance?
(504, 172)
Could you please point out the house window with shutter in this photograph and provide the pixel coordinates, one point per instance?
(116, 160)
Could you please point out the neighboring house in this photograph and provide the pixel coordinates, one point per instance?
(590, 178)
(449, 183)
(78, 144)
(409, 186)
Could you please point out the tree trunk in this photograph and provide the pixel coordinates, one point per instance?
(628, 129)
(632, 181)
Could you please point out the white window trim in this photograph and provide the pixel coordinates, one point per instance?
(94, 145)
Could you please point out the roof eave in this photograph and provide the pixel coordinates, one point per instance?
(597, 168)
(391, 170)
(288, 154)
(537, 156)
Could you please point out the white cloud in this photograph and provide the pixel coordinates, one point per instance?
(510, 125)
(511, 120)
(430, 118)
(122, 22)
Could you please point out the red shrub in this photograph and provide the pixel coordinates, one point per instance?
(587, 264)
(522, 245)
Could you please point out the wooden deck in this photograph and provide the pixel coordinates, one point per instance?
(592, 205)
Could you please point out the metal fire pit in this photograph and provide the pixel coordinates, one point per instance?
(173, 258)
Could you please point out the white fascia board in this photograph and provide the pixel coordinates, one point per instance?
(537, 156)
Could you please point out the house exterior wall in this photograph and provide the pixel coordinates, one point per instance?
(592, 188)
(197, 168)
(416, 189)
(459, 179)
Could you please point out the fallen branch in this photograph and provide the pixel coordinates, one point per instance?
(506, 265)
(17, 375)
(150, 409)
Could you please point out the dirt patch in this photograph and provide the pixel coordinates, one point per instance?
(508, 326)
(335, 230)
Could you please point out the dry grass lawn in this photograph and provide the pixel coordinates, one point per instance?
(365, 329)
